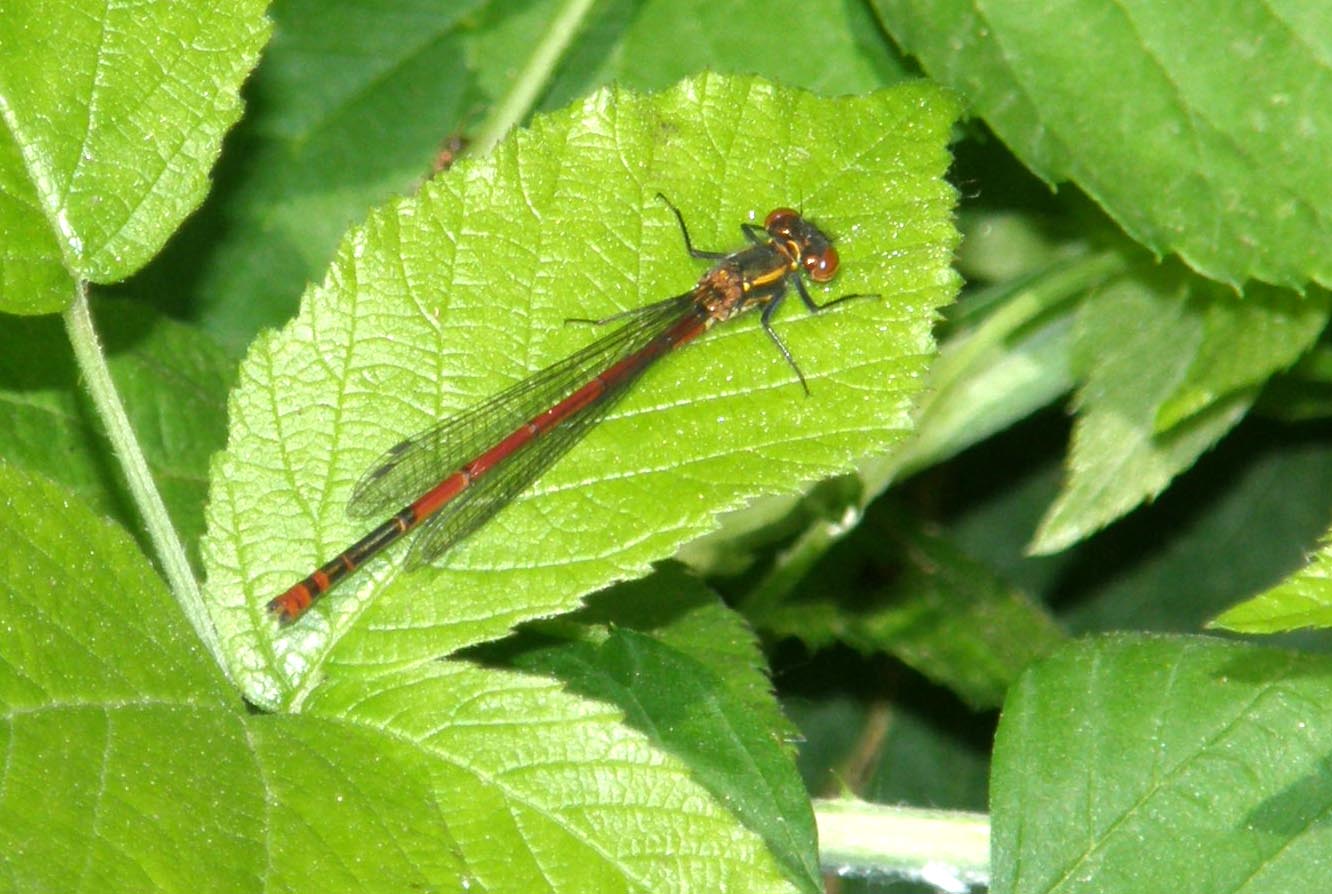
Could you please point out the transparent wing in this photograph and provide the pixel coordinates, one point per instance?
(411, 467)
(496, 489)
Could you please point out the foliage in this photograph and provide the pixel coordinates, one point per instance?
(554, 705)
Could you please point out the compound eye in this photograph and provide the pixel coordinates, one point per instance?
(821, 266)
(781, 220)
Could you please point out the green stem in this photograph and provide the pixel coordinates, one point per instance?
(529, 83)
(170, 551)
(944, 848)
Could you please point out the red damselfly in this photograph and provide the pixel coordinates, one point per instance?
(453, 477)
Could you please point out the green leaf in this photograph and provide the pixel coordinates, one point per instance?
(1302, 600)
(1140, 764)
(113, 116)
(1245, 341)
(128, 753)
(545, 791)
(101, 684)
(692, 712)
(349, 808)
(174, 383)
(33, 278)
(441, 300)
(1141, 343)
(57, 638)
(1142, 105)
(681, 612)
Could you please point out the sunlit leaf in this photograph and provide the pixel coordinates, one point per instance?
(441, 300)
(1302, 600)
(113, 115)
(127, 751)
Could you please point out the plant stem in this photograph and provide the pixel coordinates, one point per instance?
(948, 849)
(529, 83)
(170, 551)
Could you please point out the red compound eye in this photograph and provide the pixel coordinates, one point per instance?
(821, 266)
(781, 221)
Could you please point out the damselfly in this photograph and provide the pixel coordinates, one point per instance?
(453, 477)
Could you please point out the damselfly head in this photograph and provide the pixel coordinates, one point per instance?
(816, 252)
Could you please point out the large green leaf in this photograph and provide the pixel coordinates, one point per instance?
(1163, 764)
(119, 735)
(1197, 129)
(441, 300)
(544, 791)
(113, 115)
(687, 672)
(129, 759)
(691, 712)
